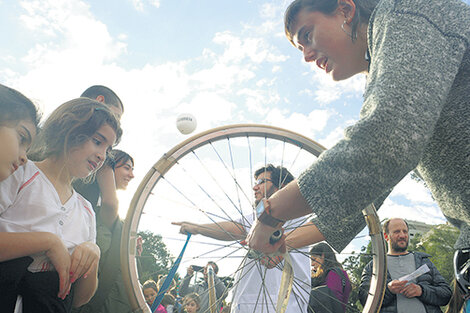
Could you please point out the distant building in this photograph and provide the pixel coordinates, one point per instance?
(415, 228)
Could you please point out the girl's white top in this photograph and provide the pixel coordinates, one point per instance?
(30, 203)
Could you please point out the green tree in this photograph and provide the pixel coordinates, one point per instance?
(354, 265)
(416, 244)
(439, 243)
(155, 259)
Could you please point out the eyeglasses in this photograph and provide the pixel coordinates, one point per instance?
(262, 181)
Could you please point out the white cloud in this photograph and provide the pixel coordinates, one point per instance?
(139, 5)
(413, 191)
(256, 49)
(429, 214)
(333, 137)
(155, 3)
(307, 125)
(325, 90)
(222, 76)
(259, 100)
(209, 109)
(269, 10)
(421, 206)
(72, 49)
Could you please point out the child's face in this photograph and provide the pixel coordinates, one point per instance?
(191, 306)
(89, 156)
(14, 142)
(123, 174)
(150, 294)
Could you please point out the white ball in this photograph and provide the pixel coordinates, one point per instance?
(186, 123)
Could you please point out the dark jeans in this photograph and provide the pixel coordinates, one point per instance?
(38, 290)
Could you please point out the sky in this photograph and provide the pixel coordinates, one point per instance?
(225, 62)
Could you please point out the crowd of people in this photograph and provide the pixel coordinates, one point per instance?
(59, 224)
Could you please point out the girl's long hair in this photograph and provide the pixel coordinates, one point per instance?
(192, 296)
(329, 262)
(117, 158)
(71, 125)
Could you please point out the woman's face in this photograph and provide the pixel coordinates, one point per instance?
(191, 306)
(322, 40)
(150, 294)
(317, 262)
(15, 142)
(123, 174)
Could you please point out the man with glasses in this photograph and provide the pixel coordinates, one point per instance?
(252, 274)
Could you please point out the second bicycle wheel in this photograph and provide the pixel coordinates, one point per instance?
(209, 179)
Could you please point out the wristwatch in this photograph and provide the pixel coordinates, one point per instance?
(263, 210)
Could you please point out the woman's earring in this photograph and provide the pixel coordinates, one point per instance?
(353, 37)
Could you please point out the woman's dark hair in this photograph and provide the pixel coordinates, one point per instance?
(168, 299)
(71, 125)
(329, 262)
(363, 12)
(15, 107)
(192, 296)
(150, 284)
(117, 158)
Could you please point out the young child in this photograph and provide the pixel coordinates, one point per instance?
(150, 291)
(191, 303)
(169, 301)
(18, 124)
(47, 230)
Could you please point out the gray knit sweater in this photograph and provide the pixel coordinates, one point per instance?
(416, 114)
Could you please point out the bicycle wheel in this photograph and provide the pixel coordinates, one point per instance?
(208, 179)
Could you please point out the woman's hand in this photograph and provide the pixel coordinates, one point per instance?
(60, 258)
(84, 259)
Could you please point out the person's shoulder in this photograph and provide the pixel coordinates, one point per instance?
(449, 16)
(421, 255)
(337, 272)
(25, 175)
